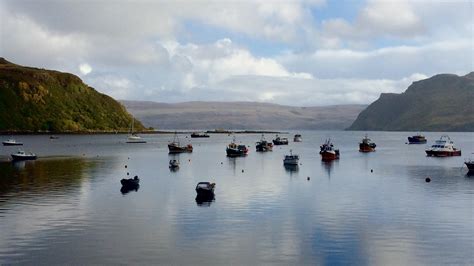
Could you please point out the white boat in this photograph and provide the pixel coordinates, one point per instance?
(443, 147)
(132, 137)
(291, 159)
(21, 155)
(11, 142)
(297, 138)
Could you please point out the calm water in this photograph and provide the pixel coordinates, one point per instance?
(67, 207)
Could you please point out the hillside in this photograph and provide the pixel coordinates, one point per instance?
(241, 115)
(443, 102)
(33, 100)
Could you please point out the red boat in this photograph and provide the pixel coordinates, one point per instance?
(444, 147)
(366, 145)
(328, 153)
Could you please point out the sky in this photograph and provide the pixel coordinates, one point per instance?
(300, 53)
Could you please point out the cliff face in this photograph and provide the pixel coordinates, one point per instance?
(443, 102)
(33, 99)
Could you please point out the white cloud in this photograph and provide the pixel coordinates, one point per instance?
(85, 69)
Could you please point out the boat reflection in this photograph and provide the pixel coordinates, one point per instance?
(205, 201)
(291, 168)
(19, 165)
(126, 189)
(328, 166)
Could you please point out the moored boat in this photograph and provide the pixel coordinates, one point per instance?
(133, 137)
(11, 142)
(297, 138)
(234, 149)
(174, 164)
(263, 145)
(291, 159)
(205, 189)
(22, 156)
(280, 141)
(328, 152)
(470, 166)
(366, 145)
(199, 135)
(53, 137)
(175, 146)
(444, 147)
(130, 182)
(417, 139)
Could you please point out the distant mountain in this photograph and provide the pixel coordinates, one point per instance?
(241, 115)
(443, 102)
(33, 99)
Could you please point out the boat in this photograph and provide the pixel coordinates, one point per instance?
(130, 182)
(199, 135)
(205, 189)
(280, 141)
(133, 137)
(263, 145)
(22, 156)
(53, 137)
(297, 138)
(417, 139)
(11, 142)
(470, 166)
(443, 147)
(174, 164)
(291, 159)
(234, 149)
(328, 152)
(366, 145)
(175, 146)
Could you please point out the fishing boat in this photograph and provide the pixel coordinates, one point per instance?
(470, 166)
(130, 182)
(417, 139)
(297, 138)
(280, 141)
(174, 164)
(199, 135)
(205, 189)
(133, 137)
(444, 147)
(366, 145)
(328, 152)
(263, 145)
(175, 146)
(11, 142)
(291, 159)
(23, 156)
(234, 149)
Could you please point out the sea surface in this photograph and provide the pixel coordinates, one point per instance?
(67, 207)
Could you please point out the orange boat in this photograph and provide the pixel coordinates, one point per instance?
(328, 153)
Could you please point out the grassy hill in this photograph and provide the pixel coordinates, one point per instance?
(33, 100)
(443, 102)
(242, 115)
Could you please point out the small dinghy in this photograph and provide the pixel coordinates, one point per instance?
(205, 189)
(131, 182)
(174, 164)
(11, 142)
(23, 156)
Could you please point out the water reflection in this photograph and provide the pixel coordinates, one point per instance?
(328, 166)
(127, 189)
(291, 168)
(205, 201)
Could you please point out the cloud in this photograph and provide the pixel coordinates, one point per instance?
(85, 69)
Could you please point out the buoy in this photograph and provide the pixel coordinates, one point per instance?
(242, 170)
(129, 158)
(371, 170)
(308, 178)
(128, 173)
(222, 163)
(189, 160)
(428, 180)
(125, 166)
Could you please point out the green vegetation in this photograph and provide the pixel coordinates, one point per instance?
(35, 100)
(441, 103)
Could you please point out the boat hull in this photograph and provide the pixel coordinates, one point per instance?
(443, 153)
(130, 183)
(290, 162)
(136, 141)
(415, 140)
(329, 156)
(470, 166)
(23, 157)
(11, 144)
(235, 152)
(199, 136)
(276, 142)
(366, 147)
(264, 147)
(178, 149)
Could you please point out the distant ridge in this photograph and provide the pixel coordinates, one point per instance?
(241, 115)
(444, 102)
(34, 100)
